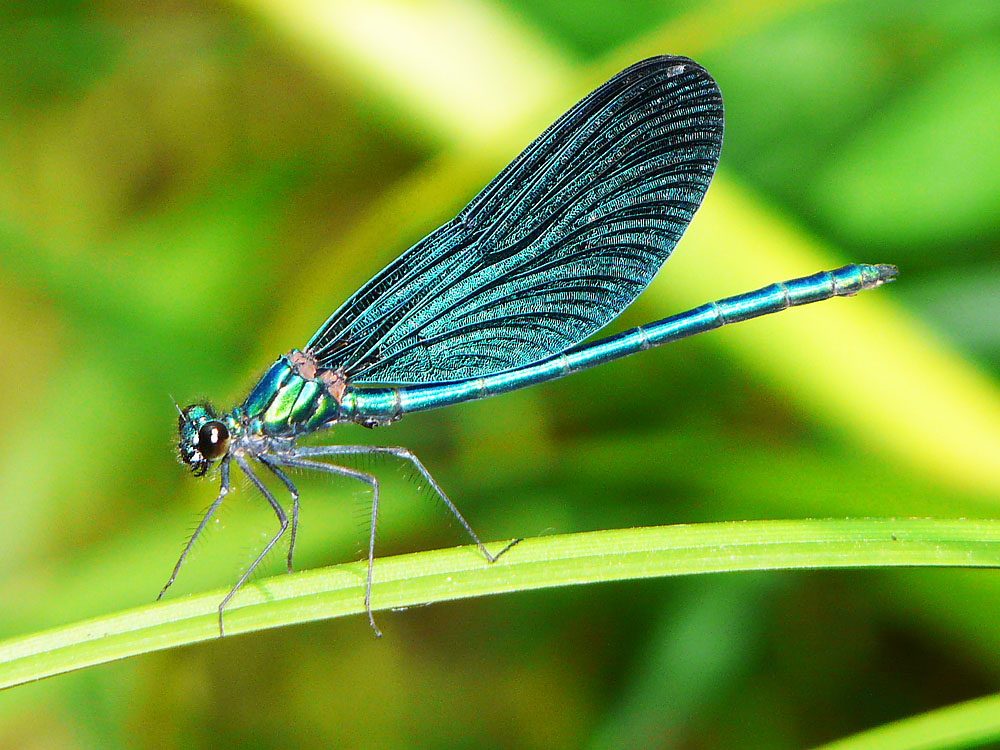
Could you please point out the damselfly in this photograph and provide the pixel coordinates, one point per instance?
(501, 297)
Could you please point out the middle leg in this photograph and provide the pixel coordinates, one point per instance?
(292, 459)
(271, 464)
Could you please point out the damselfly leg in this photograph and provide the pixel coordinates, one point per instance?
(407, 455)
(301, 458)
(292, 460)
(282, 520)
(294, 492)
(223, 491)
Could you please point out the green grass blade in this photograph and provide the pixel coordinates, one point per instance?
(963, 725)
(540, 562)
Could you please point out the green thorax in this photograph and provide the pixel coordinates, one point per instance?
(284, 403)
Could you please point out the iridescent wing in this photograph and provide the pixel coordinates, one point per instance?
(555, 247)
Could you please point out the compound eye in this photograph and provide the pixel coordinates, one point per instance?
(213, 439)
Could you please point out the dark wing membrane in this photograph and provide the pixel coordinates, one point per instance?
(556, 246)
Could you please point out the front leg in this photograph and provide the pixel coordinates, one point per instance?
(223, 491)
(282, 521)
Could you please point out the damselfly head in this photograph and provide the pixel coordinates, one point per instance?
(202, 437)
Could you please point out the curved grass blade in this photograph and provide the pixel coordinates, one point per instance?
(970, 724)
(542, 562)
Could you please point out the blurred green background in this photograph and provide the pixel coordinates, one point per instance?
(188, 188)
